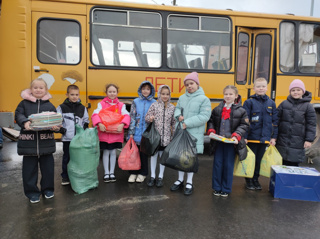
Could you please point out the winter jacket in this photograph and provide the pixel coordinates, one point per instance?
(297, 124)
(163, 118)
(34, 143)
(263, 118)
(72, 113)
(106, 103)
(196, 112)
(238, 123)
(139, 109)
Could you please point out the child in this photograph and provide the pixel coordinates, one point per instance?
(161, 112)
(110, 142)
(73, 112)
(196, 112)
(36, 147)
(138, 125)
(297, 124)
(230, 120)
(263, 118)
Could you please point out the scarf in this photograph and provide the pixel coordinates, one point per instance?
(225, 113)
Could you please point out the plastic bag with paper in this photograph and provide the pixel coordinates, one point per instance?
(129, 158)
(270, 157)
(245, 168)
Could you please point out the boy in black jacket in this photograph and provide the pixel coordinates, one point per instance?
(73, 112)
(263, 117)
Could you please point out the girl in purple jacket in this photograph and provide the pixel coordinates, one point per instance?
(110, 142)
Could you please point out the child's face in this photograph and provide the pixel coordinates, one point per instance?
(38, 89)
(229, 96)
(296, 93)
(260, 87)
(112, 92)
(191, 86)
(165, 95)
(146, 90)
(73, 95)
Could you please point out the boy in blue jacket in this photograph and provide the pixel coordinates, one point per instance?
(263, 118)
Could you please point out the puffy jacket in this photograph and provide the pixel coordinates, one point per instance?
(163, 118)
(196, 112)
(34, 143)
(139, 109)
(72, 113)
(297, 124)
(238, 123)
(263, 118)
(106, 103)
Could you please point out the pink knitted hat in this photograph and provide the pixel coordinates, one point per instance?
(297, 83)
(192, 76)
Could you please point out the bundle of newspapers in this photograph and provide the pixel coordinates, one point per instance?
(45, 120)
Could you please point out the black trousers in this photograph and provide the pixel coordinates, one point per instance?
(65, 159)
(258, 150)
(144, 164)
(30, 170)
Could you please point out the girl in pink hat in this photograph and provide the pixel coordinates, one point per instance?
(196, 112)
(297, 124)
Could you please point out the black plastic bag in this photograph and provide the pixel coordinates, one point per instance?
(181, 153)
(150, 141)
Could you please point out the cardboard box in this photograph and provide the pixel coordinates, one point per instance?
(299, 183)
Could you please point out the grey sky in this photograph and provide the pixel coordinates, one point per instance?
(297, 7)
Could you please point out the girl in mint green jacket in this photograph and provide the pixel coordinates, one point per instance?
(196, 112)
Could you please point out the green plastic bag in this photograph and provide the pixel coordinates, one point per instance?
(84, 160)
(270, 157)
(245, 168)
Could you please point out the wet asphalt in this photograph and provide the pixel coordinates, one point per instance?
(123, 210)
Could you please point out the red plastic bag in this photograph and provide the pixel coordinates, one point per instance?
(111, 118)
(129, 158)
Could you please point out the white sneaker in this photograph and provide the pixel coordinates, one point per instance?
(140, 178)
(132, 178)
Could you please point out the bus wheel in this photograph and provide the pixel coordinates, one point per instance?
(313, 153)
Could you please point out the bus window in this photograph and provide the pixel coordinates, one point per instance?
(197, 42)
(242, 58)
(125, 38)
(58, 41)
(287, 49)
(309, 40)
(262, 56)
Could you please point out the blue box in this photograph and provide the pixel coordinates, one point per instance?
(299, 183)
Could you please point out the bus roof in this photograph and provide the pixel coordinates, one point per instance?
(188, 9)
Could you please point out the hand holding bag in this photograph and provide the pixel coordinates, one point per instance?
(111, 119)
(150, 141)
(270, 157)
(129, 158)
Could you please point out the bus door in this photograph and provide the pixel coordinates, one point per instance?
(59, 52)
(254, 59)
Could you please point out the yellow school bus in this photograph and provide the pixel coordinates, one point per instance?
(92, 42)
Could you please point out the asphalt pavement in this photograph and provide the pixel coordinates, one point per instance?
(122, 210)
